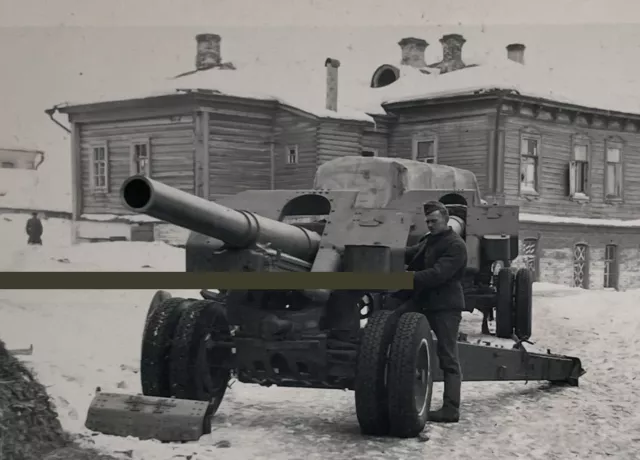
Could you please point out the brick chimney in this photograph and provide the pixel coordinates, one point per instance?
(451, 53)
(208, 51)
(515, 52)
(413, 52)
(332, 84)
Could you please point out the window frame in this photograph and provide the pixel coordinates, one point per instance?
(614, 142)
(530, 134)
(95, 188)
(587, 264)
(575, 165)
(133, 161)
(419, 138)
(535, 256)
(611, 265)
(287, 151)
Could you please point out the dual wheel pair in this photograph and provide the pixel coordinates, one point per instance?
(514, 303)
(394, 381)
(179, 357)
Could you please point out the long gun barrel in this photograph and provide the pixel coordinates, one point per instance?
(235, 228)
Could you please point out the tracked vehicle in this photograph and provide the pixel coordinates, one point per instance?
(359, 217)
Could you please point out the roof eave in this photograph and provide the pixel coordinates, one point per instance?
(507, 95)
(458, 98)
(196, 96)
(383, 116)
(346, 120)
(180, 97)
(130, 103)
(571, 107)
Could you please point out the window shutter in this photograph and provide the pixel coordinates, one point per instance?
(572, 178)
(132, 159)
(107, 178)
(149, 166)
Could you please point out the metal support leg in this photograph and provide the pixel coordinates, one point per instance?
(486, 363)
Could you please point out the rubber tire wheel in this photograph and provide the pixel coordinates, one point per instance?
(204, 317)
(156, 345)
(157, 299)
(371, 365)
(505, 304)
(523, 304)
(413, 331)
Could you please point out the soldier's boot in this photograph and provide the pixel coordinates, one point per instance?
(446, 414)
(449, 412)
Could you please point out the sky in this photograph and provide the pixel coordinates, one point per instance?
(77, 50)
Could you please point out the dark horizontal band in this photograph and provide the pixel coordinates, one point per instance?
(206, 280)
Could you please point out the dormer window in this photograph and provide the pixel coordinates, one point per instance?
(384, 76)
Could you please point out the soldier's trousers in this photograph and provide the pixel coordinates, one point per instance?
(445, 325)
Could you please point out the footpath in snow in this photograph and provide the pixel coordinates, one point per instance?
(86, 339)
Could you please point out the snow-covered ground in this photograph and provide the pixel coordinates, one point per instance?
(86, 339)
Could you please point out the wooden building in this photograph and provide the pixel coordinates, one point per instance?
(21, 184)
(20, 158)
(571, 164)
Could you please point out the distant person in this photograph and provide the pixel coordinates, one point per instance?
(34, 229)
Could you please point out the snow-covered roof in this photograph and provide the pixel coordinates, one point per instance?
(505, 74)
(301, 83)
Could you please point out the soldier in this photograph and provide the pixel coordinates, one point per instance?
(439, 261)
(34, 229)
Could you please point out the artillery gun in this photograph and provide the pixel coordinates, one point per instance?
(359, 217)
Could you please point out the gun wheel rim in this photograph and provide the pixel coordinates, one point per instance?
(365, 306)
(421, 382)
(199, 369)
(210, 358)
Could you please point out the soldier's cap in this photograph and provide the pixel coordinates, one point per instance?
(431, 206)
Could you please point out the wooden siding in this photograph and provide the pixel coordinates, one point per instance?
(376, 141)
(296, 131)
(338, 139)
(172, 150)
(77, 190)
(462, 141)
(239, 149)
(555, 155)
(377, 137)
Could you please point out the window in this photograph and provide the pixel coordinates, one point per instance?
(384, 75)
(369, 153)
(611, 266)
(292, 154)
(613, 170)
(530, 256)
(529, 163)
(141, 157)
(100, 167)
(425, 150)
(8, 165)
(581, 266)
(579, 169)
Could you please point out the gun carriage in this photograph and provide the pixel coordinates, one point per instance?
(359, 217)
